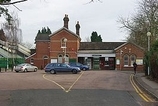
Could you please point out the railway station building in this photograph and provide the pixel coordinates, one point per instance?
(64, 46)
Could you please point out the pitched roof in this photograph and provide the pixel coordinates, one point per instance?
(131, 43)
(99, 45)
(42, 37)
(63, 28)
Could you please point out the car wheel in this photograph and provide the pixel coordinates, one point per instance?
(74, 71)
(52, 72)
(17, 71)
(25, 70)
(35, 69)
(84, 69)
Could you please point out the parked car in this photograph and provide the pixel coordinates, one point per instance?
(81, 66)
(24, 67)
(53, 68)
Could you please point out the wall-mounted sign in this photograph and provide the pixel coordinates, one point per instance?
(117, 61)
(139, 61)
(95, 55)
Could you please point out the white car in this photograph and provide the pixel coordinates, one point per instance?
(25, 67)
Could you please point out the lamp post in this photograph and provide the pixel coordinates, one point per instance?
(65, 40)
(120, 58)
(148, 35)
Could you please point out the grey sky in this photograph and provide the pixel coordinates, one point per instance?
(96, 16)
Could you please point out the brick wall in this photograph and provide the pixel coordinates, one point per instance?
(129, 49)
(72, 44)
(42, 50)
(53, 48)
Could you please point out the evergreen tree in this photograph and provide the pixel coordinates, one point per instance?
(99, 38)
(151, 59)
(44, 31)
(95, 37)
(39, 32)
(48, 31)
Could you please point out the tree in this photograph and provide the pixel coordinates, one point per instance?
(48, 30)
(8, 2)
(143, 21)
(44, 31)
(28, 45)
(95, 37)
(4, 10)
(12, 32)
(87, 39)
(151, 59)
(95, 0)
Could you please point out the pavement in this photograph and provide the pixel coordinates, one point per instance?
(148, 85)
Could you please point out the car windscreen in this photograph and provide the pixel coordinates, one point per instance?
(21, 65)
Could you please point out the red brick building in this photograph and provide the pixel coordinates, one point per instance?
(60, 46)
(65, 46)
(128, 53)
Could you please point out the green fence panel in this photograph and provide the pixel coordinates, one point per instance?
(72, 60)
(10, 62)
(3, 62)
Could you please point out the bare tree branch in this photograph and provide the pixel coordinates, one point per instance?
(17, 7)
(9, 3)
(93, 1)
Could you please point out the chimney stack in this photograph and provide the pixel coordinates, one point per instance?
(66, 20)
(78, 28)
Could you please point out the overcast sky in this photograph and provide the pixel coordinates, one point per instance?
(95, 16)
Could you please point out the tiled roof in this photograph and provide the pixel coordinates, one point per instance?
(42, 37)
(63, 28)
(131, 43)
(99, 45)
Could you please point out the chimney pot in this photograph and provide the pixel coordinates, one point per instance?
(66, 20)
(78, 28)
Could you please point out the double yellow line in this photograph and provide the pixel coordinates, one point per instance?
(139, 91)
(66, 90)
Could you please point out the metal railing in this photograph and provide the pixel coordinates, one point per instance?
(20, 48)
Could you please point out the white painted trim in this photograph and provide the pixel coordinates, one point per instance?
(101, 55)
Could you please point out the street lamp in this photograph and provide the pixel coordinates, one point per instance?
(65, 40)
(148, 35)
(121, 52)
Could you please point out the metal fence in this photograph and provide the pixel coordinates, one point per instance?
(10, 62)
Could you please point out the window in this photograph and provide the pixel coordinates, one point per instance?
(60, 57)
(45, 57)
(106, 61)
(132, 59)
(117, 61)
(67, 59)
(63, 43)
(126, 60)
(31, 61)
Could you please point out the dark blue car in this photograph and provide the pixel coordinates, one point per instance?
(81, 66)
(53, 68)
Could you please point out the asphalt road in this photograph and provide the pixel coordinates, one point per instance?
(88, 88)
